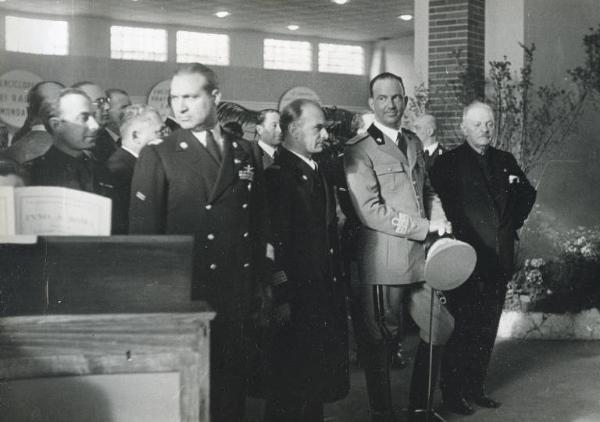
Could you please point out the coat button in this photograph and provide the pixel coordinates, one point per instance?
(334, 279)
(247, 265)
(331, 251)
(208, 207)
(244, 206)
(213, 266)
(246, 234)
(210, 236)
(249, 186)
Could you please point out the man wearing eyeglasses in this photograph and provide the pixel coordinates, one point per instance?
(105, 146)
(140, 124)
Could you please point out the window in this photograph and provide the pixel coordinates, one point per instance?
(133, 43)
(37, 36)
(341, 58)
(287, 55)
(203, 48)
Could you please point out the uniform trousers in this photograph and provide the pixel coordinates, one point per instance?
(377, 315)
(476, 306)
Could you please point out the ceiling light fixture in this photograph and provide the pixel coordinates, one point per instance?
(293, 27)
(222, 14)
(340, 1)
(406, 17)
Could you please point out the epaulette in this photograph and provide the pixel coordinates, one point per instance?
(358, 138)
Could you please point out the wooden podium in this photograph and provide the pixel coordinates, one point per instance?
(103, 329)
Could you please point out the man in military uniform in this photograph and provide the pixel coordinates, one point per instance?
(397, 207)
(309, 358)
(69, 119)
(426, 130)
(205, 182)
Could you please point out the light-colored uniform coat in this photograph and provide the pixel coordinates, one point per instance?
(393, 198)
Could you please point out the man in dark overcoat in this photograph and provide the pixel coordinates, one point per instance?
(309, 356)
(486, 197)
(206, 182)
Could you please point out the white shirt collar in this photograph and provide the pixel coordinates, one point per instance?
(39, 127)
(135, 154)
(113, 135)
(216, 132)
(431, 148)
(310, 162)
(387, 131)
(268, 149)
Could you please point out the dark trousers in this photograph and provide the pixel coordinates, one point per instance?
(377, 313)
(476, 307)
(228, 371)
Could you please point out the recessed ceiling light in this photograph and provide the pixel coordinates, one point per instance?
(340, 1)
(405, 17)
(293, 27)
(222, 14)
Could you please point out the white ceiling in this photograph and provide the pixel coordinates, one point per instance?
(358, 20)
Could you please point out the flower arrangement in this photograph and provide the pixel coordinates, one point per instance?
(569, 282)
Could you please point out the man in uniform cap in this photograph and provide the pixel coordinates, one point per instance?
(392, 196)
(205, 182)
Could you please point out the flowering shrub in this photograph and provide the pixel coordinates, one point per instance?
(570, 282)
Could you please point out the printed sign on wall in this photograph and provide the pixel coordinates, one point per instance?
(14, 86)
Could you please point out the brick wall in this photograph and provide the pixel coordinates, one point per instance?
(455, 26)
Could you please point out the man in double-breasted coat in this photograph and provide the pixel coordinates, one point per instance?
(487, 197)
(203, 181)
(397, 207)
(309, 356)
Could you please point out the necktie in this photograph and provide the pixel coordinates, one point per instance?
(401, 142)
(212, 147)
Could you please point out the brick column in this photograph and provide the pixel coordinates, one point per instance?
(455, 26)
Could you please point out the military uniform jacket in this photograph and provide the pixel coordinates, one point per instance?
(310, 353)
(485, 207)
(179, 188)
(394, 200)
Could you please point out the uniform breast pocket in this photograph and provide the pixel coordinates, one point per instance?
(391, 177)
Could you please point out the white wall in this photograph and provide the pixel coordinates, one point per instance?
(504, 30)
(399, 58)
(243, 81)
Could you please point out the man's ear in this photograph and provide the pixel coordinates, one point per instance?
(216, 95)
(54, 123)
(259, 130)
(372, 104)
(463, 129)
(135, 134)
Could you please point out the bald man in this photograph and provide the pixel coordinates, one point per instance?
(486, 197)
(426, 129)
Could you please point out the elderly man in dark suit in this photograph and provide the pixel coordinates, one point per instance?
(487, 197)
(203, 181)
(426, 129)
(392, 196)
(309, 358)
(140, 124)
